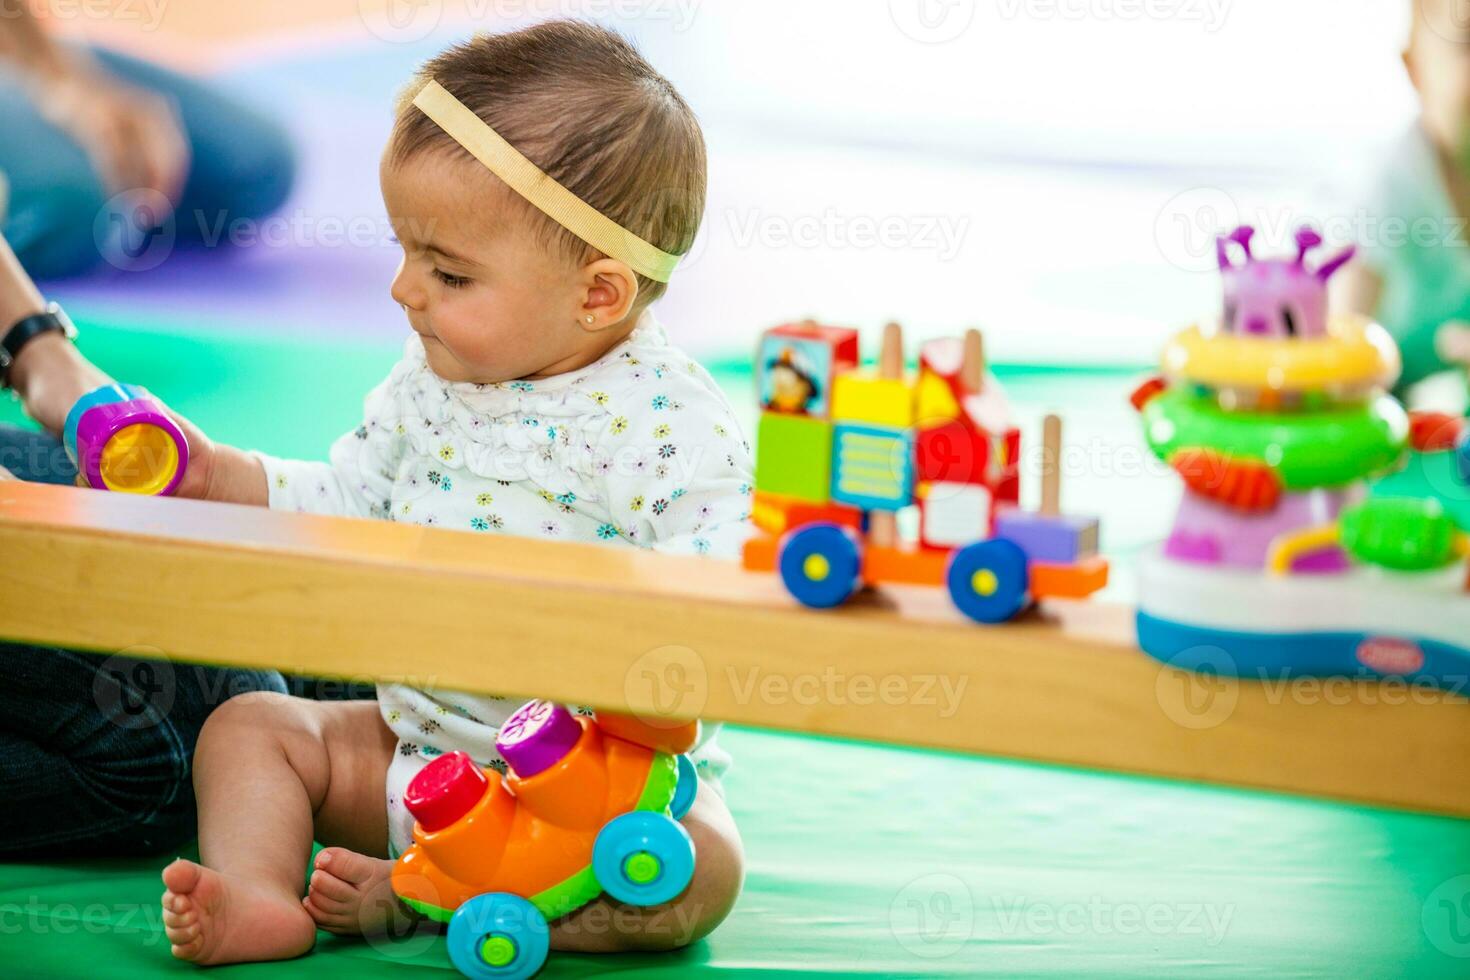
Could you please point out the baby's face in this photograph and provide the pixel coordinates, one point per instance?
(489, 302)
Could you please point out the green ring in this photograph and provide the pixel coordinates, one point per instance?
(498, 951)
(642, 867)
(1309, 449)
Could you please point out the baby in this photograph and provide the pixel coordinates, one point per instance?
(537, 396)
(1417, 282)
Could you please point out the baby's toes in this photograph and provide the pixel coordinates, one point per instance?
(339, 917)
(326, 885)
(349, 866)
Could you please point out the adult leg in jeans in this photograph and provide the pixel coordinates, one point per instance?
(95, 750)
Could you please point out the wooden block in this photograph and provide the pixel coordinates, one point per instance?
(872, 467)
(864, 396)
(1061, 539)
(760, 553)
(953, 453)
(777, 515)
(954, 514)
(793, 457)
(903, 567)
(796, 364)
(936, 403)
(1053, 581)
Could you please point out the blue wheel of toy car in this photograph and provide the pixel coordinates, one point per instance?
(643, 858)
(498, 936)
(820, 564)
(686, 789)
(989, 580)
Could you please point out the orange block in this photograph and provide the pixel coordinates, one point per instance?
(1069, 581)
(759, 554)
(905, 567)
(672, 737)
(776, 514)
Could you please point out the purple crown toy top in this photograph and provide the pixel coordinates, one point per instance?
(1276, 297)
(537, 737)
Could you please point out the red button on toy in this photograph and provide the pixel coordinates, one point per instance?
(445, 790)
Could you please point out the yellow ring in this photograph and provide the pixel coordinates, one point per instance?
(1356, 351)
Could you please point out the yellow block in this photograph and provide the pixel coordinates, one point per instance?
(862, 396)
(937, 403)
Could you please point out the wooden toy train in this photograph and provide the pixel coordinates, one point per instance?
(841, 450)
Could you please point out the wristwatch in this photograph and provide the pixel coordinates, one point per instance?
(26, 330)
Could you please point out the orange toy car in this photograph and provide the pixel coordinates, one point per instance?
(589, 806)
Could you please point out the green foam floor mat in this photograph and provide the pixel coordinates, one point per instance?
(866, 860)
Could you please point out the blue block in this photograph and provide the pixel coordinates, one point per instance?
(872, 466)
(1061, 540)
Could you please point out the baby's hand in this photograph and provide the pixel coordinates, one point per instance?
(1453, 342)
(203, 454)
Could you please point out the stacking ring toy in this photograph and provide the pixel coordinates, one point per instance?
(1330, 448)
(120, 439)
(1355, 352)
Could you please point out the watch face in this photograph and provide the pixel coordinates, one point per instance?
(67, 327)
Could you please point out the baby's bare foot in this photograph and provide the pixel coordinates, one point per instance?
(352, 894)
(213, 918)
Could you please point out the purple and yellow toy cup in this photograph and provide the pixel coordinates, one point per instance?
(120, 439)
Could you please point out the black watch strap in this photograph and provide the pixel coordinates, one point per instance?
(27, 330)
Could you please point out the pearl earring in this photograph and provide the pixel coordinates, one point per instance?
(590, 319)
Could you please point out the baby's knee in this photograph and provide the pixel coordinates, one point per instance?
(719, 872)
(245, 718)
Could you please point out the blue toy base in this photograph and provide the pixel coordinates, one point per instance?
(1275, 656)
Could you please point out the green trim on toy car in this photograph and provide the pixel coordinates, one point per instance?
(1328, 448)
(572, 893)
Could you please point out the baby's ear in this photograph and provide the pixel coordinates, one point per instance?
(609, 294)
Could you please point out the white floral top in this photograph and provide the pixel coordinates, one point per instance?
(638, 449)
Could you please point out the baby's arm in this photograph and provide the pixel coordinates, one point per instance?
(358, 480)
(50, 374)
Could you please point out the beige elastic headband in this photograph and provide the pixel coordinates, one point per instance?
(537, 187)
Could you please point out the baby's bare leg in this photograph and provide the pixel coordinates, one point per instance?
(607, 926)
(269, 772)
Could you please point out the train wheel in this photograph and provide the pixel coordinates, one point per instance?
(820, 565)
(989, 580)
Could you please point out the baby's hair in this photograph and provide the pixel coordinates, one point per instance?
(583, 105)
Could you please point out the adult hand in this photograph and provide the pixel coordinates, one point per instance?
(133, 136)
